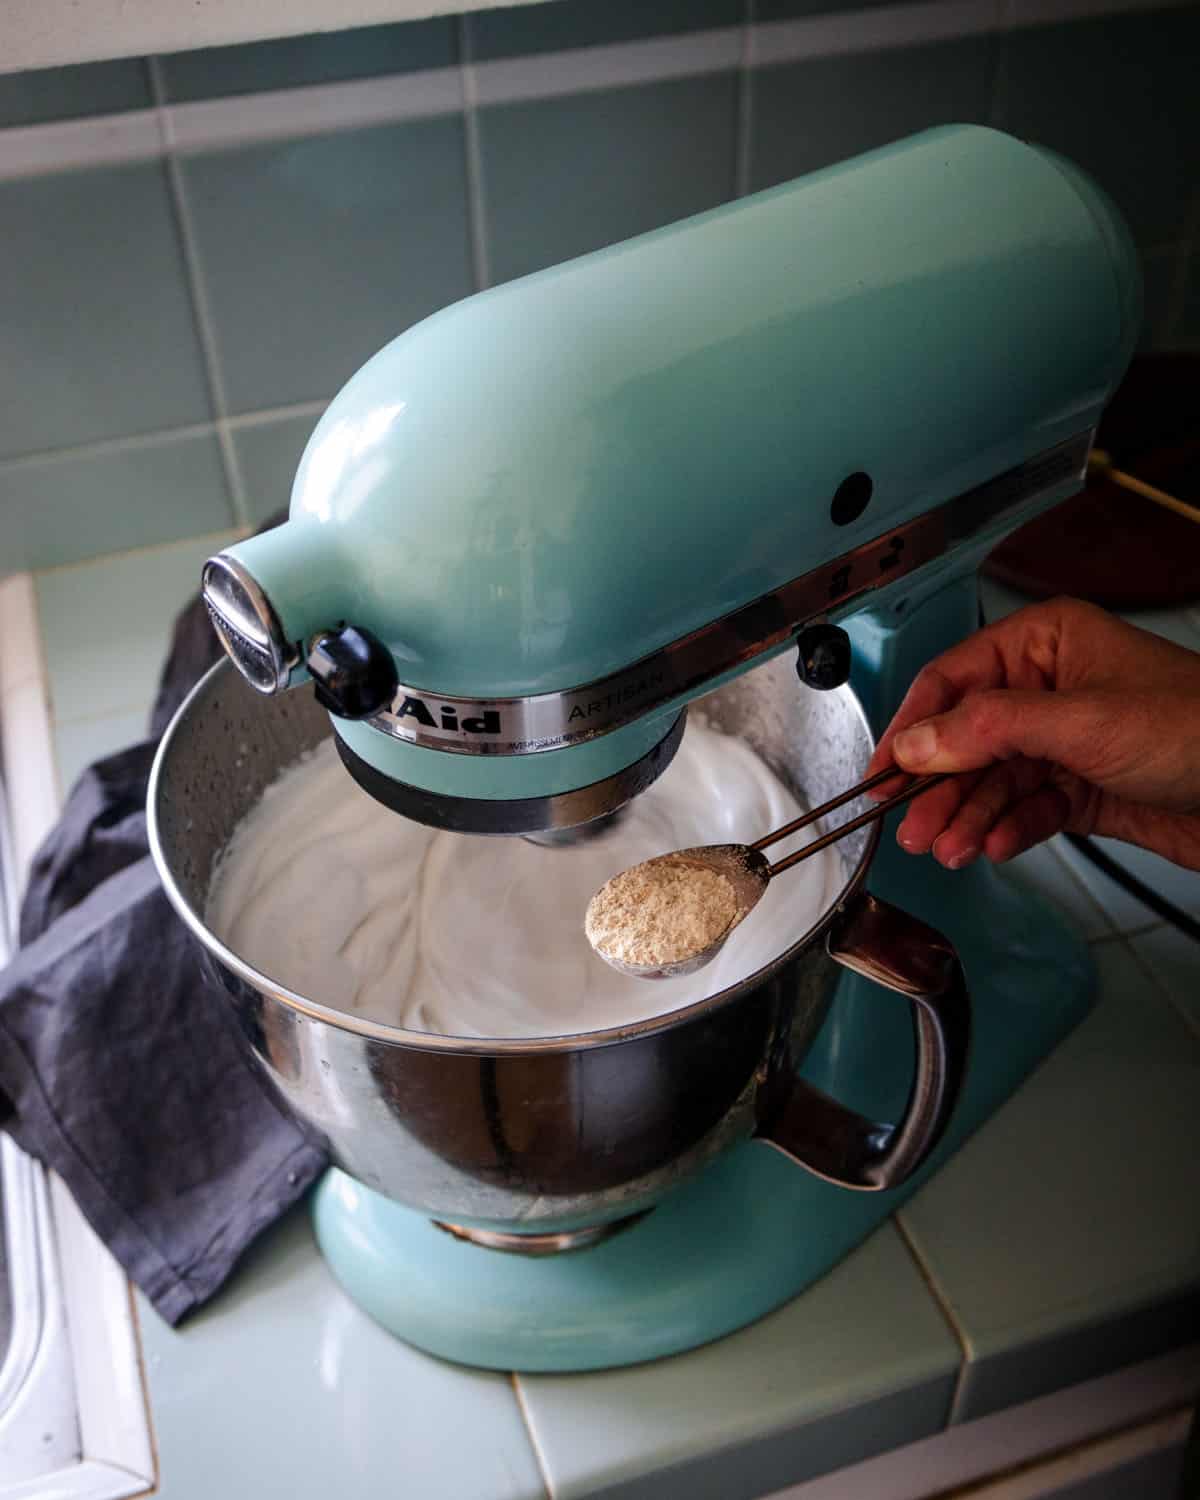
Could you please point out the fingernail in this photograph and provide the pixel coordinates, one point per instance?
(965, 858)
(916, 745)
(905, 840)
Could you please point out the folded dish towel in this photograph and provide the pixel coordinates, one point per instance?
(120, 1065)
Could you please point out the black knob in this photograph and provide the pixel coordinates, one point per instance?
(824, 660)
(353, 671)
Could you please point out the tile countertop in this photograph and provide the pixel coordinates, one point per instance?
(1016, 1271)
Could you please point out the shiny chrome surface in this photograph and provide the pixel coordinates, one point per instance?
(247, 624)
(550, 721)
(542, 1244)
(540, 1134)
(561, 817)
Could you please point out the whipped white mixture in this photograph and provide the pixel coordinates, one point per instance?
(325, 891)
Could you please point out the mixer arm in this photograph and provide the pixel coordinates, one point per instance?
(906, 957)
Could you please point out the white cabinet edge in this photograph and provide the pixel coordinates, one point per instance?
(73, 1368)
(84, 1481)
(39, 1430)
(114, 1426)
(48, 33)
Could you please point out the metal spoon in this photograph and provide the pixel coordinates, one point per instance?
(750, 872)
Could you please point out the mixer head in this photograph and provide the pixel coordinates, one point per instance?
(534, 527)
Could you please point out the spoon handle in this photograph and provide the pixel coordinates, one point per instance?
(826, 807)
(872, 815)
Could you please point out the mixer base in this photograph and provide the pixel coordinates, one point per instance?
(560, 1242)
(754, 1229)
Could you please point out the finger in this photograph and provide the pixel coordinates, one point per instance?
(930, 694)
(1028, 822)
(994, 792)
(1091, 735)
(931, 813)
(1019, 652)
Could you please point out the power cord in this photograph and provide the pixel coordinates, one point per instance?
(1136, 888)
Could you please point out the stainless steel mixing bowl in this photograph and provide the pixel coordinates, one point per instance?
(534, 1143)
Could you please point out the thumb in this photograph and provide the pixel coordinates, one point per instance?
(1097, 736)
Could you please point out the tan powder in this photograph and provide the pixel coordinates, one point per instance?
(660, 912)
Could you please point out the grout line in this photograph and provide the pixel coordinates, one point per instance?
(612, 65)
(313, 109)
(225, 533)
(473, 159)
(1031, 13)
(925, 1271)
(744, 125)
(1191, 1021)
(205, 329)
(1075, 879)
(105, 447)
(73, 145)
(1145, 928)
(997, 106)
(269, 414)
(843, 33)
(539, 1456)
(161, 437)
(321, 109)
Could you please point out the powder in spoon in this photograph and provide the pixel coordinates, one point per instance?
(660, 912)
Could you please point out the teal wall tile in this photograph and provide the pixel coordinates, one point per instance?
(1161, 270)
(115, 610)
(521, 30)
(1118, 96)
(72, 506)
(568, 175)
(267, 454)
(859, 1363)
(103, 88)
(1065, 1236)
(316, 252)
(99, 339)
(808, 114)
(80, 742)
(327, 57)
(1189, 318)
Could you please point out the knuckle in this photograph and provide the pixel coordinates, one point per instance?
(985, 716)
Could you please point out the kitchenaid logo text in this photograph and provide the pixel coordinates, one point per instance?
(626, 694)
(488, 722)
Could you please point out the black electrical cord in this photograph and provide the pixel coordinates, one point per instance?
(1136, 888)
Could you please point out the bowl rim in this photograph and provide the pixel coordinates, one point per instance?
(426, 1041)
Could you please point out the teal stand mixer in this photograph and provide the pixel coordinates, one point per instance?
(536, 526)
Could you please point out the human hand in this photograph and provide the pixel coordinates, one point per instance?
(1063, 718)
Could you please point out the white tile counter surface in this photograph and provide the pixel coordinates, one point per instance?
(1060, 1244)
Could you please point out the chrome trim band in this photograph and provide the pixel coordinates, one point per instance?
(558, 1242)
(552, 721)
(516, 815)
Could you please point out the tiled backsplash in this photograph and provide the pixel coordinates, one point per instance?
(197, 250)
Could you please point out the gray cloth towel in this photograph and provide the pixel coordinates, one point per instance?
(121, 1066)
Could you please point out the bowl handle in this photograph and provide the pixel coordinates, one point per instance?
(903, 955)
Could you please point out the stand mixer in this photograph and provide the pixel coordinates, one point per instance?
(535, 527)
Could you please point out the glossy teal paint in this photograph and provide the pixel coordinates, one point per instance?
(546, 482)
(754, 1229)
